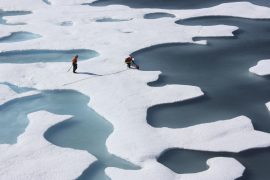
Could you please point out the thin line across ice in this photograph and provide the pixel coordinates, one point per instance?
(121, 98)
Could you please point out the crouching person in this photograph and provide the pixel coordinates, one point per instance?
(130, 62)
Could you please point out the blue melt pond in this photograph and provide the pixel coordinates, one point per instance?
(18, 37)
(86, 130)
(158, 15)
(111, 20)
(220, 69)
(11, 13)
(35, 56)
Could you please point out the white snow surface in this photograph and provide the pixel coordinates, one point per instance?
(121, 96)
(262, 68)
(7, 94)
(219, 168)
(268, 105)
(35, 158)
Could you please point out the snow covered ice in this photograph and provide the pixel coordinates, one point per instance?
(120, 96)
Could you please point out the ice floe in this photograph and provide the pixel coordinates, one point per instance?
(35, 158)
(262, 68)
(268, 105)
(121, 96)
(219, 168)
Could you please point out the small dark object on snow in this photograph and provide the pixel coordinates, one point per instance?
(74, 63)
(130, 62)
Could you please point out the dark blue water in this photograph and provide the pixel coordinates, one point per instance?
(34, 56)
(86, 130)
(172, 4)
(221, 70)
(19, 36)
(11, 13)
(181, 161)
(158, 15)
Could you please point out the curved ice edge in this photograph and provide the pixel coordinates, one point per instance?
(262, 68)
(32, 150)
(239, 128)
(158, 15)
(219, 31)
(11, 34)
(13, 12)
(200, 39)
(18, 96)
(47, 2)
(234, 135)
(235, 7)
(176, 92)
(219, 168)
(215, 16)
(268, 106)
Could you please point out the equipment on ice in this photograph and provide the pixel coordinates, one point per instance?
(69, 68)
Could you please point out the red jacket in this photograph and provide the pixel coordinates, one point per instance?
(129, 60)
(74, 60)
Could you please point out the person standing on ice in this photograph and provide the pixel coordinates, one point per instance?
(74, 63)
(130, 61)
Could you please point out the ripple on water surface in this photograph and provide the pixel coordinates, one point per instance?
(221, 69)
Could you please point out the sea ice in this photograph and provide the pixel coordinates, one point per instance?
(121, 96)
(262, 68)
(219, 168)
(35, 158)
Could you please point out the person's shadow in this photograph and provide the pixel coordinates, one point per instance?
(92, 75)
(87, 73)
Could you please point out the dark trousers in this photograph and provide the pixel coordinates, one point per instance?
(128, 65)
(132, 63)
(75, 66)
